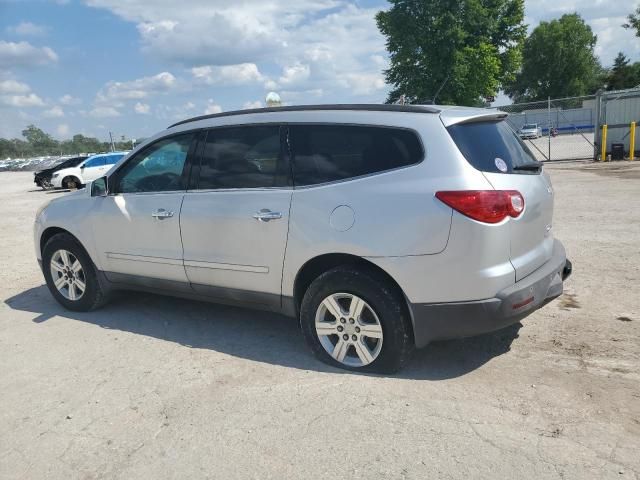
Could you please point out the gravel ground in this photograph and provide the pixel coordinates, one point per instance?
(152, 387)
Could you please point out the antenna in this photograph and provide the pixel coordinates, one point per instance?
(440, 89)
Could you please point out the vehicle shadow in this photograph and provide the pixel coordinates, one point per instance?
(258, 336)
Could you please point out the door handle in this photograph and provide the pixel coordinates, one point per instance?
(161, 213)
(266, 215)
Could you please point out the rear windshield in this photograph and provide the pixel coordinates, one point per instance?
(492, 146)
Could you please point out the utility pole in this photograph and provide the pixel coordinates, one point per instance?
(113, 147)
(549, 125)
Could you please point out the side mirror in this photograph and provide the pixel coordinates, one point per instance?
(82, 167)
(99, 187)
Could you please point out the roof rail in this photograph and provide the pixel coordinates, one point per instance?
(302, 108)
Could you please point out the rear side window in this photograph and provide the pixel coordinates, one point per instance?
(491, 146)
(243, 157)
(327, 153)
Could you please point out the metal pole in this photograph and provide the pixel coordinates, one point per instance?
(549, 125)
(113, 147)
(632, 142)
(603, 157)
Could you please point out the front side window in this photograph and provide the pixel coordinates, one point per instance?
(327, 153)
(95, 162)
(157, 168)
(242, 157)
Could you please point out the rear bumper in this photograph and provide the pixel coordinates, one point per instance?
(439, 321)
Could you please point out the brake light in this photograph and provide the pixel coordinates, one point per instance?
(488, 206)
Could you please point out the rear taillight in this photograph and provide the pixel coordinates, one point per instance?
(488, 206)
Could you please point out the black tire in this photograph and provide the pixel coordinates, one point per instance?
(94, 296)
(382, 297)
(70, 183)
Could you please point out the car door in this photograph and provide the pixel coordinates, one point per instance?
(92, 169)
(235, 216)
(136, 227)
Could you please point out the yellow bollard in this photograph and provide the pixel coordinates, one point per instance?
(603, 157)
(632, 142)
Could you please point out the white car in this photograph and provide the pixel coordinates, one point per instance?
(93, 167)
(530, 130)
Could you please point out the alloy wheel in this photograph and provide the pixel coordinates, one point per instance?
(349, 329)
(68, 275)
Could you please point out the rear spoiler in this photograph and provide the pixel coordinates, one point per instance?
(455, 116)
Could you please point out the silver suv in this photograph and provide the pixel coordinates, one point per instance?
(380, 227)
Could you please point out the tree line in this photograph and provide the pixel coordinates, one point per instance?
(464, 52)
(36, 142)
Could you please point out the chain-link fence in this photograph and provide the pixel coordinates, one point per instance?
(556, 129)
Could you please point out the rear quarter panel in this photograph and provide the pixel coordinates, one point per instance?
(395, 213)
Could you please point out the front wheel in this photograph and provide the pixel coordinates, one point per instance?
(70, 274)
(71, 183)
(354, 319)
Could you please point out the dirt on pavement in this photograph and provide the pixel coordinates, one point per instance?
(154, 387)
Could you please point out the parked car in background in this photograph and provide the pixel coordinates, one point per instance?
(86, 171)
(43, 177)
(380, 227)
(530, 130)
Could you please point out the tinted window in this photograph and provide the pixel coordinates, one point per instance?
(157, 168)
(112, 159)
(73, 162)
(325, 153)
(482, 143)
(242, 157)
(95, 162)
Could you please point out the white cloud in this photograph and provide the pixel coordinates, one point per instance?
(212, 107)
(26, 29)
(13, 86)
(62, 130)
(293, 74)
(23, 54)
(17, 94)
(104, 112)
(137, 89)
(249, 105)
(316, 44)
(27, 100)
(141, 108)
(240, 74)
(69, 100)
(54, 112)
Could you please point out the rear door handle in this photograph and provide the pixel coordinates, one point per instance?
(266, 215)
(161, 213)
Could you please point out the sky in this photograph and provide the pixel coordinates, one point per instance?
(133, 67)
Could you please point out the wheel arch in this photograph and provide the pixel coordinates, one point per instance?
(316, 266)
(49, 232)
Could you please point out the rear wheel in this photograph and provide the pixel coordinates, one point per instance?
(354, 319)
(71, 275)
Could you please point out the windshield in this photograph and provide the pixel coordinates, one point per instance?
(492, 147)
(530, 126)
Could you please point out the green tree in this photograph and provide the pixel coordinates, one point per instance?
(39, 142)
(633, 21)
(451, 51)
(559, 61)
(623, 74)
